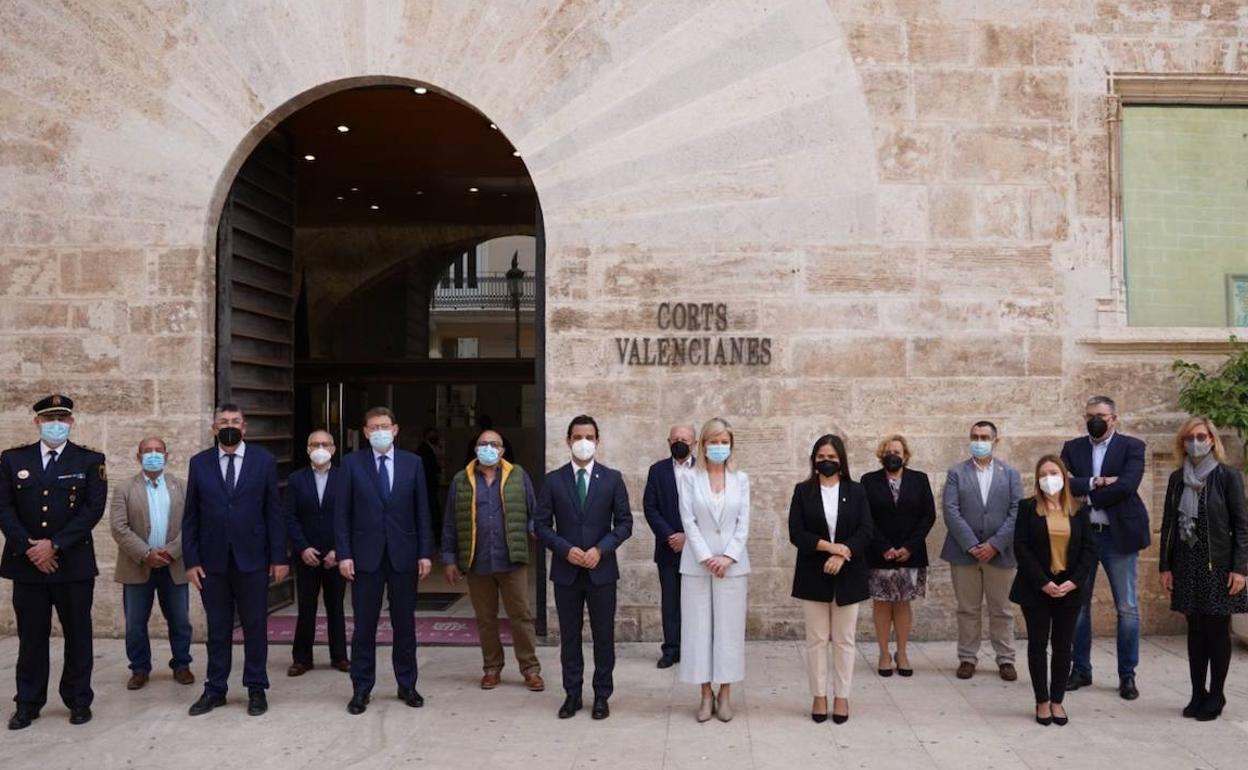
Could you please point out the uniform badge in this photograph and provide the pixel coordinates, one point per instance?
(23, 474)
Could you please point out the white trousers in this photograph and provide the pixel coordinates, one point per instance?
(712, 629)
(830, 626)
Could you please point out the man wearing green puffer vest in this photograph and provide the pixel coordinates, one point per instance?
(485, 537)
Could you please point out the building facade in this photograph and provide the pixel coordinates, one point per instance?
(860, 216)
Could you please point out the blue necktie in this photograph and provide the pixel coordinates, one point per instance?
(383, 477)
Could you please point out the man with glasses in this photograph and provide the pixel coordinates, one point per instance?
(485, 537)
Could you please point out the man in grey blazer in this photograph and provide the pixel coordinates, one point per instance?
(146, 521)
(980, 502)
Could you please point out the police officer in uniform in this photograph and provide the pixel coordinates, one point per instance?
(52, 495)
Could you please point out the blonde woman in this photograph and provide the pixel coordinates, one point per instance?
(1056, 554)
(715, 512)
(1204, 558)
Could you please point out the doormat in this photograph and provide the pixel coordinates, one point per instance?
(432, 631)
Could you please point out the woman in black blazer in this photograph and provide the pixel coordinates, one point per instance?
(902, 513)
(830, 524)
(1056, 554)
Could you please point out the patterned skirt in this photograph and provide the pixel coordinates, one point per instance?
(898, 585)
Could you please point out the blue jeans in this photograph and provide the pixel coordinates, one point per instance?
(175, 605)
(1121, 569)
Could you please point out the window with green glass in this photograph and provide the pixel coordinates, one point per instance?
(1185, 215)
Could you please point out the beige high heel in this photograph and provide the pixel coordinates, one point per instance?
(707, 709)
(723, 707)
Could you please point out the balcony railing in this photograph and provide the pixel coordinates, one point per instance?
(485, 292)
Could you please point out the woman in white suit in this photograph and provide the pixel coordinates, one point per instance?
(715, 511)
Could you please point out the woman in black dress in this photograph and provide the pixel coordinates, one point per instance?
(1204, 558)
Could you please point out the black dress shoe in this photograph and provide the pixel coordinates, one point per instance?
(207, 702)
(22, 718)
(357, 704)
(601, 710)
(257, 704)
(1126, 688)
(1193, 706)
(667, 661)
(411, 697)
(1210, 708)
(1078, 679)
(818, 718)
(79, 715)
(571, 705)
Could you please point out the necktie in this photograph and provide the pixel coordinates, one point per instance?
(229, 473)
(582, 486)
(51, 460)
(383, 477)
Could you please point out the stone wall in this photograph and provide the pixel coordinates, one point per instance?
(910, 197)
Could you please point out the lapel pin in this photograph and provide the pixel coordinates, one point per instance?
(23, 474)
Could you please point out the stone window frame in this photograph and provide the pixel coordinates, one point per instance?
(1126, 89)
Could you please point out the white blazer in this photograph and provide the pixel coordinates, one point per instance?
(704, 536)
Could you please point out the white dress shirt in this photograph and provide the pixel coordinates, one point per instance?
(1097, 516)
(831, 506)
(389, 464)
(985, 481)
(238, 459)
(589, 475)
(322, 479)
(682, 469)
(43, 452)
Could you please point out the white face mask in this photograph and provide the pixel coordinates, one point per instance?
(320, 455)
(1052, 484)
(584, 449)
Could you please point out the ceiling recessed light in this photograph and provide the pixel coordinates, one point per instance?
(420, 90)
(339, 197)
(473, 189)
(355, 189)
(374, 206)
(420, 192)
(343, 129)
(504, 195)
(309, 157)
(515, 153)
(494, 127)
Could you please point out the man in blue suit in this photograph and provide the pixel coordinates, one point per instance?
(310, 494)
(1106, 469)
(583, 516)
(661, 502)
(233, 541)
(384, 539)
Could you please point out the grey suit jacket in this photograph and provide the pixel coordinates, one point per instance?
(129, 523)
(969, 522)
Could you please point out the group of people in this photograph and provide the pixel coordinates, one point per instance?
(365, 523)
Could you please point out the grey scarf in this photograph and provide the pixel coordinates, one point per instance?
(1194, 477)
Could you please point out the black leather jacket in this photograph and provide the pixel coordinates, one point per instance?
(1228, 520)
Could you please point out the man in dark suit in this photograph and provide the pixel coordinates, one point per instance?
(384, 540)
(1106, 469)
(583, 516)
(233, 541)
(52, 494)
(309, 513)
(661, 502)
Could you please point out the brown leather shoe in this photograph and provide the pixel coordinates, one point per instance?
(183, 676)
(1007, 671)
(341, 665)
(966, 670)
(299, 669)
(534, 682)
(489, 680)
(137, 680)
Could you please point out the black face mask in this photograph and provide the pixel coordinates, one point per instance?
(828, 467)
(680, 450)
(1097, 427)
(893, 463)
(229, 436)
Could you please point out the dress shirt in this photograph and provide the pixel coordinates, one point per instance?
(1097, 516)
(389, 464)
(491, 556)
(985, 480)
(831, 506)
(589, 475)
(238, 459)
(157, 510)
(322, 479)
(43, 452)
(682, 469)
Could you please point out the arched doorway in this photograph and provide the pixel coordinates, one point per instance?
(333, 243)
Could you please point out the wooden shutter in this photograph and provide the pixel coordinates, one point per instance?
(255, 304)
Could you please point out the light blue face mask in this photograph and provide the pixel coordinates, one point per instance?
(487, 455)
(981, 449)
(153, 461)
(718, 453)
(54, 433)
(381, 440)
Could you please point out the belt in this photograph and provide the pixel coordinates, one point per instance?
(1097, 527)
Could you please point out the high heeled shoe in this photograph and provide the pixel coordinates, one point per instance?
(1046, 721)
(840, 719)
(1063, 720)
(818, 718)
(707, 708)
(887, 671)
(1210, 708)
(902, 671)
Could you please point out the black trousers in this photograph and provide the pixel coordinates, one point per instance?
(246, 593)
(33, 604)
(1050, 623)
(311, 582)
(669, 587)
(366, 593)
(570, 603)
(1208, 652)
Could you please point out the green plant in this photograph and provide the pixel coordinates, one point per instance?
(1222, 396)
